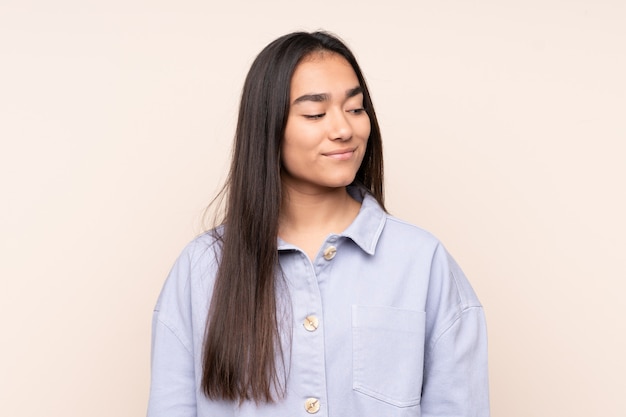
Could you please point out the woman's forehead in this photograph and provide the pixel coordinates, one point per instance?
(323, 72)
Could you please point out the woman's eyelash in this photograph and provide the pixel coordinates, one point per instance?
(319, 116)
(357, 111)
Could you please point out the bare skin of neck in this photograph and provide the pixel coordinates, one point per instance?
(308, 218)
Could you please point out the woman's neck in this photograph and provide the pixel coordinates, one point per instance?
(307, 218)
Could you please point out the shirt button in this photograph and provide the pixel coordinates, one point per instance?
(330, 252)
(312, 405)
(311, 323)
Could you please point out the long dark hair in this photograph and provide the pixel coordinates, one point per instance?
(242, 342)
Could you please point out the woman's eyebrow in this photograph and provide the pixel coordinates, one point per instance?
(312, 97)
(354, 91)
(321, 97)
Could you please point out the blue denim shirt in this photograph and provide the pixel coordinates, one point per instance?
(381, 323)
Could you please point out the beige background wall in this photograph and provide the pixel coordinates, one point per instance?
(504, 135)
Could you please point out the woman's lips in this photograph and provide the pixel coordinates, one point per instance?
(341, 155)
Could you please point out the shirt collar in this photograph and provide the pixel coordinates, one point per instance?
(368, 224)
(366, 228)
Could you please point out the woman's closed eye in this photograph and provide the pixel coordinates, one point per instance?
(314, 116)
(356, 111)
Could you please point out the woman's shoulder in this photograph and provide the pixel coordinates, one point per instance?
(203, 247)
(192, 271)
(375, 226)
(404, 231)
(198, 257)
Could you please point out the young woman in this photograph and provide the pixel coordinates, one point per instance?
(310, 299)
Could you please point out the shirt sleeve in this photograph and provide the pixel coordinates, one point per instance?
(455, 364)
(173, 385)
(172, 388)
(455, 376)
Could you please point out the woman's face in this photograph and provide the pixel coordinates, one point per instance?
(327, 127)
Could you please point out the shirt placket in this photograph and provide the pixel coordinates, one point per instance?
(308, 336)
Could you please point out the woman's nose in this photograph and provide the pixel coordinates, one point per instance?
(340, 127)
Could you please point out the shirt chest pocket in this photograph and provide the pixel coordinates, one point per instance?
(388, 354)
